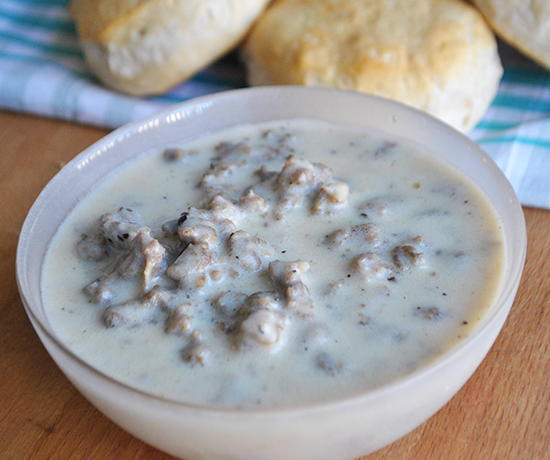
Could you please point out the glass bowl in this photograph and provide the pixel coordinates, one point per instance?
(343, 429)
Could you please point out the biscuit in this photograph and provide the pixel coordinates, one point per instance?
(439, 56)
(144, 47)
(524, 24)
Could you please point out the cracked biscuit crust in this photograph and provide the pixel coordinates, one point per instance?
(439, 56)
(144, 47)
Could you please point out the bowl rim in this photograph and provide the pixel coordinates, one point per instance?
(506, 291)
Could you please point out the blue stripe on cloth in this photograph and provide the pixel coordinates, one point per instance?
(535, 76)
(40, 3)
(527, 169)
(37, 20)
(120, 111)
(534, 189)
(520, 139)
(489, 125)
(27, 40)
(73, 64)
(66, 97)
(13, 85)
(524, 103)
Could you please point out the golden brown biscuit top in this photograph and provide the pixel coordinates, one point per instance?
(95, 16)
(402, 47)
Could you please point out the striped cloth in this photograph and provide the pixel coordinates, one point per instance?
(42, 71)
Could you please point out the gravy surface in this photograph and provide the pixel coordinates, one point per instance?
(273, 265)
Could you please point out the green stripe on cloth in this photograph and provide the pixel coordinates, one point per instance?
(524, 103)
(535, 76)
(520, 139)
(489, 125)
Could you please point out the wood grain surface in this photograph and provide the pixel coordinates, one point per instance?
(501, 413)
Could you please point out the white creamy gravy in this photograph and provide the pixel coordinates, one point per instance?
(375, 303)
